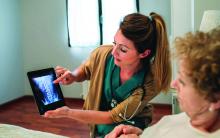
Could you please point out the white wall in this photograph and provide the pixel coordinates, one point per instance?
(11, 59)
(201, 6)
(162, 7)
(181, 17)
(187, 15)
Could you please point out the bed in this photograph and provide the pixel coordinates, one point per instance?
(12, 131)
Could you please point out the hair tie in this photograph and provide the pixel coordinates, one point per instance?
(151, 19)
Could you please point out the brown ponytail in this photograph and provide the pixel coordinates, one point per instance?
(162, 64)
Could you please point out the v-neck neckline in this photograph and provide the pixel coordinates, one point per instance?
(116, 90)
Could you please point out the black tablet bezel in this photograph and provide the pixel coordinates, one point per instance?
(41, 107)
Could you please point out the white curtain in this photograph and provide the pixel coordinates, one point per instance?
(83, 23)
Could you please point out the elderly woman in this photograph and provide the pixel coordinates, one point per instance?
(198, 89)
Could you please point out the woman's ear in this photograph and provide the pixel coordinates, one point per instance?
(215, 106)
(145, 53)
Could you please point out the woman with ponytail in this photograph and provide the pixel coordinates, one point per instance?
(124, 76)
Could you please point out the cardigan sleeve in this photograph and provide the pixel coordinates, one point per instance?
(86, 68)
(89, 67)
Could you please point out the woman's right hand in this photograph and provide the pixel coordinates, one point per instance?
(124, 131)
(58, 113)
(64, 76)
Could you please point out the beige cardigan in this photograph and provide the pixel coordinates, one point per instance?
(93, 70)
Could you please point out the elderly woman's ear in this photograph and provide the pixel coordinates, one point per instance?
(215, 106)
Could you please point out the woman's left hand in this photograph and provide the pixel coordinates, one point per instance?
(58, 113)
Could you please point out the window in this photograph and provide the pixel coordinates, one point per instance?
(95, 22)
(83, 22)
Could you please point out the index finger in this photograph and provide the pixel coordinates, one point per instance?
(59, 79)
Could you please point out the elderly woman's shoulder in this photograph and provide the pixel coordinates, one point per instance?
(169, 127)
(176, 119)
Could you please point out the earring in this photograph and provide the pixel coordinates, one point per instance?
(211, 109)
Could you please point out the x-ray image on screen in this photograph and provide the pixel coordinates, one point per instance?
(47, 90)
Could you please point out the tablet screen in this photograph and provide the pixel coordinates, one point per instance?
(48, 96)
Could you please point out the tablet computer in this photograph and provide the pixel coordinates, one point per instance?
(47, 95)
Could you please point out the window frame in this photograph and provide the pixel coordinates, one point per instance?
(100, 20)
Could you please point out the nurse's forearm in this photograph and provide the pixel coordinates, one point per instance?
(90, 116)
(78, 74)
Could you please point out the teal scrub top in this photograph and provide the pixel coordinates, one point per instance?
(114, 92)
